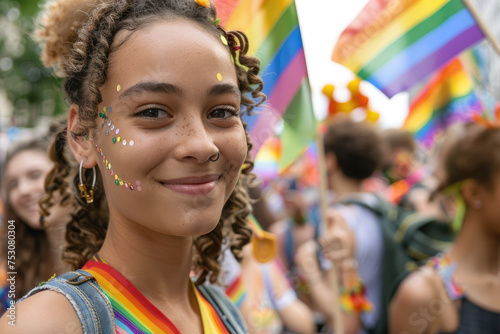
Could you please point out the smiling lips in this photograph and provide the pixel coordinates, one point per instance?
(196, 185)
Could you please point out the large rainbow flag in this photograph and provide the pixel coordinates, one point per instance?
(273, 30)
(394, 44)
(448, 98)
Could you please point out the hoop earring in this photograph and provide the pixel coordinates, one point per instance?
(87, 194)
(216, 158)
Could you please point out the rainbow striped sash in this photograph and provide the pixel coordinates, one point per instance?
(136, 314)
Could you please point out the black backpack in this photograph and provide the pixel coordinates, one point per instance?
(409, 239)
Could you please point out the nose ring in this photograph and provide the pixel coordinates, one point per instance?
(216, 157)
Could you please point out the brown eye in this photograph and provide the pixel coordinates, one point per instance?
(223, 112)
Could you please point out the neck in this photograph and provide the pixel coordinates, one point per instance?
(476, 249)
(55, 238)
(342, 185)
(143, 256)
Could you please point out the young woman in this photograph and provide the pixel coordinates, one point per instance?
(162, 163)
(459, 290)
(38, 247)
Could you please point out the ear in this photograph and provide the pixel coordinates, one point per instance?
(81, 148)
(471, 192)
(331, 162)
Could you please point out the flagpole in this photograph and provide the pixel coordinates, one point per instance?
(482, 25)
(338, 323)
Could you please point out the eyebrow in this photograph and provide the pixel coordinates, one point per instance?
(223, 88)
(152, 87)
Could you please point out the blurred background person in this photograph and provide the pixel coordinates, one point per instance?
(39, 240)
(459, 290)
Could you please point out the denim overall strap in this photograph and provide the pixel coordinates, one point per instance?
(226, 310)
(87, 298)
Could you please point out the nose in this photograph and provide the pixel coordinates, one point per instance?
(195, 141)
(25, 187)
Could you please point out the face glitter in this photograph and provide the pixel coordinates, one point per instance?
(113, 140)
(107, 132)
(118, 139)
(223, 39)
(109, 123)
(131, 143)
(118, 88)
(117, 131)
(139, 188)
(219, 77)
(124, 142)
(109, 109)
(112, 127)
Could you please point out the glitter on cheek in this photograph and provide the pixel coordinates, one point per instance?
(117, 131)
(219, 77)
(109, 123)
(117, 180)
(109, 109)
(131, 143)
(107, 132)
(118, 88)
(112, 127)
(124, 142)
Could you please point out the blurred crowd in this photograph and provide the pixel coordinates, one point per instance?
(408, 243)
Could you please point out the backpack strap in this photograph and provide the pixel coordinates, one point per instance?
(289, 244)
(87, 298)
(226, 310)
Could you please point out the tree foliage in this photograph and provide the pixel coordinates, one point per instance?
(32, 91)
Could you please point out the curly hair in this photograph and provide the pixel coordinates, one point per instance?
(77, 39)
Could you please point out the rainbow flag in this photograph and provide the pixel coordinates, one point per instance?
(273, 30)
(448, 98)
(394, 44)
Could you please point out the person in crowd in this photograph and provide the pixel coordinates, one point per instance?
(162, 164)
(353, 239)
(36, 240)
(457, 291)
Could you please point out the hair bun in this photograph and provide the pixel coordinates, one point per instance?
(57, 29)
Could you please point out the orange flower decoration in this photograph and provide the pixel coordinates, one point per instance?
(204, 3)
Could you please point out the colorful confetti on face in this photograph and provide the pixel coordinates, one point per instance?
(118, 181)
(112, 128)
(219, 77)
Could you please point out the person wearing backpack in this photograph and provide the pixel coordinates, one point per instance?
(353, 152)
(458, 291)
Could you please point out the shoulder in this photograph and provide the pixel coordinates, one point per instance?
(419, 288)
(44, 312)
